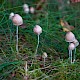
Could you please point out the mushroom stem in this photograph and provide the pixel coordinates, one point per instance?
(44, 62)
(69, 52)
(71, 56)
(17, 39)
(37, 46)
(26, 68)
(74, 55)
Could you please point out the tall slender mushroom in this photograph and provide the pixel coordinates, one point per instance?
(17, 21)
(71, 47)
(38, 30)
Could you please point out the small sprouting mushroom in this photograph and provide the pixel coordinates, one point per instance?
(17, 21)
(70, 37)
(26, 8)
(71, 47)
(32, 10)
(26, 71)
(37, 30)
(44, 57)
(26, 68)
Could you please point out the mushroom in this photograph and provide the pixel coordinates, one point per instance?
(32, 10)
(70, 37)
(17, 21)
(73, 43)
(26, 71)
(76, 43)
(44, 57)
(37, 30)
(71, 48)
(26, 8)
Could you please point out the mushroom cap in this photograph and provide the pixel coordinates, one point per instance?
(71, 46)
(37, 29)
(44, 55)
(32, 10)
(25, 6)
(76, 43)
(17, 20)
(26, 10)
(70, 37)
(11, 15)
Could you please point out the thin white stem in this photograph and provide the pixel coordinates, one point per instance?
(17, 39)
(37, 46)
(74, 55)
(26, 68)
(71, 55)
(44, 62)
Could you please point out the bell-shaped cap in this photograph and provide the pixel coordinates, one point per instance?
(11, 15)
(76, 43)
(70, 37)
(44, 55)
(26, 10)
(32, 10)
(25, 6)
(37, 29)
(17, 20)
(71, 46)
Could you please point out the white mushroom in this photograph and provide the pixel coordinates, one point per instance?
(26, 8)
(38, 30)
(17, 20)
(73, 43)
(76, 43)
(71, 48)
(70, 37)
(11, 15)
(32, 10)
(44, 56)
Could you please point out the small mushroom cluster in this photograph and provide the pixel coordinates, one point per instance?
(73, 43)
(27, 9)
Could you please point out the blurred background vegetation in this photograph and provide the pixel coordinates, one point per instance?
(52, 41)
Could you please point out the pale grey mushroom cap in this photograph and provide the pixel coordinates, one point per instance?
(32, 10)
(71, 46)
(70, 37)
(26, 10)
(44, 55)
(11, 15)
(25, 6)
(17, 20)
(37, 29)
(76, 43)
